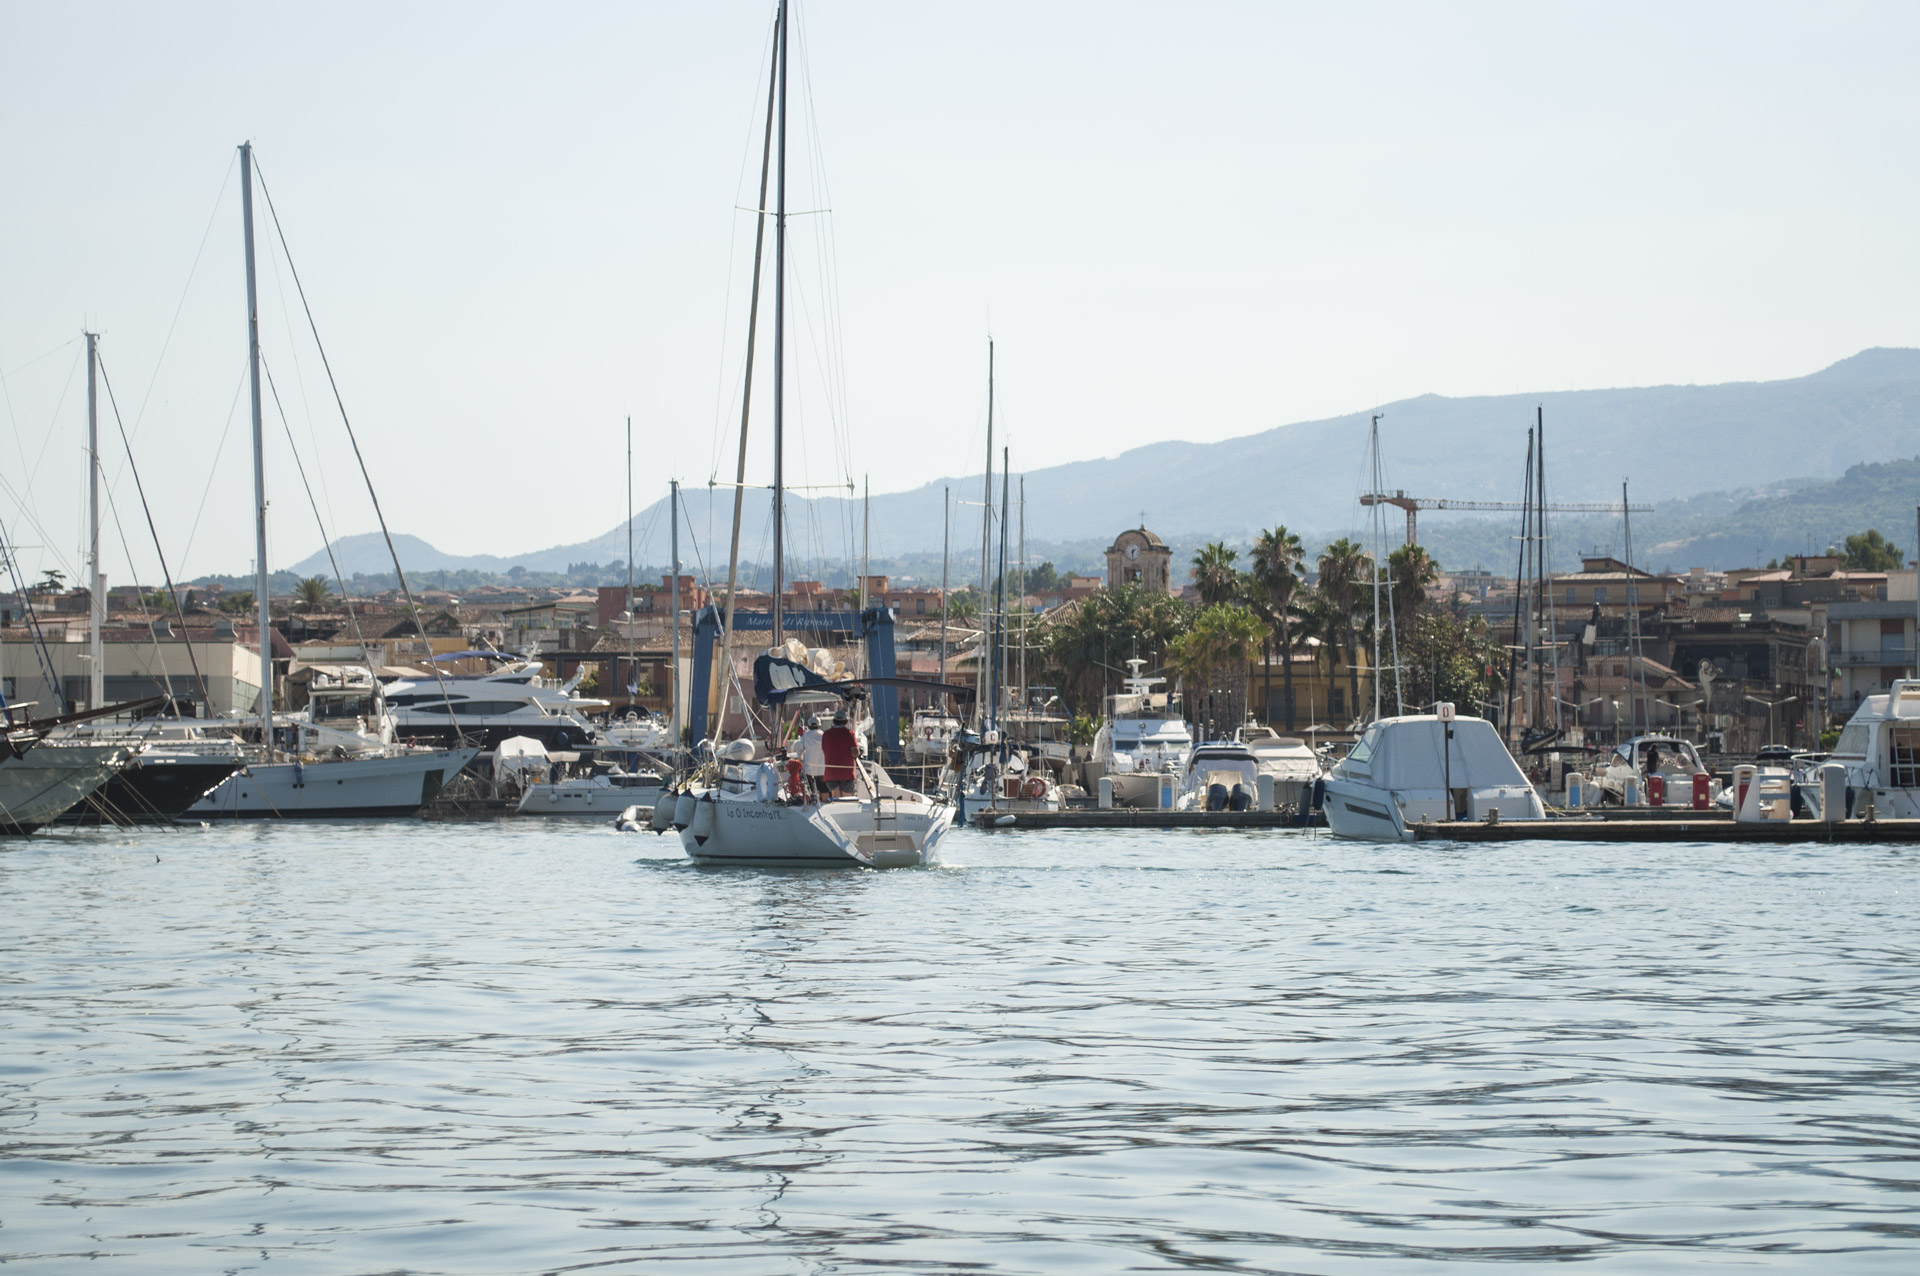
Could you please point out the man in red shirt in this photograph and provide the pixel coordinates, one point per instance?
(838, 744)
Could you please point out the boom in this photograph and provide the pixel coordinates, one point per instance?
(1413, 504)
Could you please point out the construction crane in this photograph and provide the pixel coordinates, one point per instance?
(1413, 504)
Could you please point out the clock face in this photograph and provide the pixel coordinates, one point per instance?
(1133, 551)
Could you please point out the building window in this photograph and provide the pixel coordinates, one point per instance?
(1337, 703)
(1570, 597)
(1599, 593)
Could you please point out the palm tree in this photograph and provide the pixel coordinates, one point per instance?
(312, 593)
(1221, 636)
(1279, 569)
(1214, 574)
(1344, 567)
(237, 603)
(1084, 642)
(1412, 572)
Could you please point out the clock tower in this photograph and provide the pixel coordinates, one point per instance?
(1138, 557)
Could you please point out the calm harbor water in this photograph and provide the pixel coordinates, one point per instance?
(524, 1048)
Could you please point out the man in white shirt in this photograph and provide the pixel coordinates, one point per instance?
(813, 754)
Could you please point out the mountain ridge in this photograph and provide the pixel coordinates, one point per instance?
(1673, 443)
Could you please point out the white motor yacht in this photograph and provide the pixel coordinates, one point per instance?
(1675, 760)
(986, 783)
(1293, 765)
(932, 734)
(606, 791)
(1880, 747)
(512, 699)
(1143, 737)
(1400, 773)
(1221, 775)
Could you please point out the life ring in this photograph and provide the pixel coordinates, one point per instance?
(1036, 788)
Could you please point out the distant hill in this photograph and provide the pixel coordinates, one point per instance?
(1733, 448)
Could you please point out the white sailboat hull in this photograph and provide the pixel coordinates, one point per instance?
(745, 829)
(344, 789)
(47, 781)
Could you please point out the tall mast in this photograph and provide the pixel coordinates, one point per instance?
(673, 664)
(986, 543)
(723, 666)
(633, 676)
(946, 558)
(1000, 597)
(780, 353)
(96, 581)
(259, 459)
(1549, 633)
(1636, 651)
(1023, 591)
(1376, 567)
(1516, 670)
(866, 535)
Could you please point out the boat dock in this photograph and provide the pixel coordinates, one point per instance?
(1670, 828)
(1129, 818)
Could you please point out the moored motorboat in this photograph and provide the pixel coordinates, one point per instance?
(1403, 771)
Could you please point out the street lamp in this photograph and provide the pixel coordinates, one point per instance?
(1771, 706)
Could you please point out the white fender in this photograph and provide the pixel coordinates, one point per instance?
(683, 812)
(706, 814)
(662, 818)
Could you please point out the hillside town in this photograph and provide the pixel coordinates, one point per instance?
(1775, 654)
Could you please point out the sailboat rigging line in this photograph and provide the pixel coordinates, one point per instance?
(166, 574)
(726, 316)
(48, 546)
(12, 560)
(39, 459)
(306, 405)
(746, 385)
(185, 290)
(1546, 581)
(326, 539)
(400, 573)
(780, 352)
(47, 354)
(1519, 593)
(1000, 603)
(120, 530)
(827, 259)
(213, 469)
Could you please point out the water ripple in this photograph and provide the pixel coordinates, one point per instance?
(529, 1049)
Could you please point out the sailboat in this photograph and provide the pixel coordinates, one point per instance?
(375, 780)
(745, 806)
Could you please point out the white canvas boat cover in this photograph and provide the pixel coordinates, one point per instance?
(1404, 753)
(519, 755)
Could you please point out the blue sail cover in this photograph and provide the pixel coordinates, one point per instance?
(776, 677)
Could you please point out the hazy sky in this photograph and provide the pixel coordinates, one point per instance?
(519, 224)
